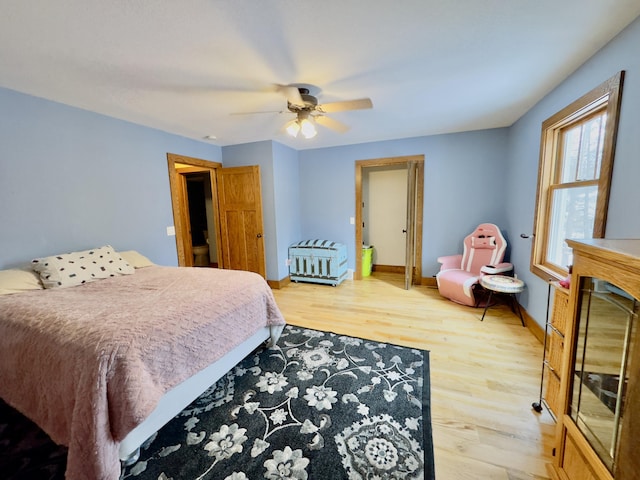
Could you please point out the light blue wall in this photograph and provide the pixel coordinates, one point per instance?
(524, 147)
(280, 197)
(261, 154)
(464, 185)
(286, 176)
(72, 179)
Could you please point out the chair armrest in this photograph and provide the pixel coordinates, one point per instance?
(450, 262)
(497, 269)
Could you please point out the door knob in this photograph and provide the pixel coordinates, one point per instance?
(259, 235)
(404, 230)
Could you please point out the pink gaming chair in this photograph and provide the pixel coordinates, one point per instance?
(483, 253)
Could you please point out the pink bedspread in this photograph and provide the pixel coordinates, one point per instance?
(89, 363)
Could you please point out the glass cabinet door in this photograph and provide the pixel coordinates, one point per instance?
(605, 329)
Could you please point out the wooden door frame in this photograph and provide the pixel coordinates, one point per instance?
(179, 202)
(418, 160)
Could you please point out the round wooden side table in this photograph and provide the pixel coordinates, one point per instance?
(503, 284)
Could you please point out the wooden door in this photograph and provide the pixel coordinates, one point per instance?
(410, 247)
(185, 228)
(240, 213)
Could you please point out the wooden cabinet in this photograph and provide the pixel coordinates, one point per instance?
(599, 392)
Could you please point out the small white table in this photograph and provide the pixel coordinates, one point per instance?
(506, 285)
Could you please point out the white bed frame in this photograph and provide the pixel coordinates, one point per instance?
(179, 397)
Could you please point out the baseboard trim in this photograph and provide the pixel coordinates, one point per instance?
(429, 281)
(533, 326)
(278, 284)
(387, 268)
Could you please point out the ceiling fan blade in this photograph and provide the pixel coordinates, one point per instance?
(360, 104)
(291, 93)
(255, 113)
(331, 123)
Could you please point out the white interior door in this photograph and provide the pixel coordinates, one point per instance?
(384, 198)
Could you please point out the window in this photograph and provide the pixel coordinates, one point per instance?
(574, 176)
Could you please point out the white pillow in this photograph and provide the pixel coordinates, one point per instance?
(17, 280)
(76, 268)
(136, 259)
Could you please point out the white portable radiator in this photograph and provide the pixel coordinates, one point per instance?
(318, 261)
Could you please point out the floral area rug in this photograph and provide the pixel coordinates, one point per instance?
(316, 406)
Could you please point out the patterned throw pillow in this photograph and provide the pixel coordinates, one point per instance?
(76, 268)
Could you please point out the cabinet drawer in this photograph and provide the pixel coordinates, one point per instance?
(556, 347)
(552, 391)
(560, 309)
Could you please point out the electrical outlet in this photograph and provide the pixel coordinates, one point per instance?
(288, 262)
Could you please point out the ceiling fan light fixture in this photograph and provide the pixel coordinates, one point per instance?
(307, 128)
(308, 111)
(293, 128)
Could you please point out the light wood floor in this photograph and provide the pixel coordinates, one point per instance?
(484, 375)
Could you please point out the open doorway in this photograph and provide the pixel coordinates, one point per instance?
(233, 215)
(384, 213)
(202, 219)
(193, 194)
(411, 171)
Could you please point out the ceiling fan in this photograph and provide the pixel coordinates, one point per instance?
(308, 111)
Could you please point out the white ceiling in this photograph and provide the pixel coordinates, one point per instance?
(429, 66)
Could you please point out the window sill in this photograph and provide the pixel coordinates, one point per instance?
(547, 274)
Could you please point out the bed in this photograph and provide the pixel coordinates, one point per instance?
(102, 365)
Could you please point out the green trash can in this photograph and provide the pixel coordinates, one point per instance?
(367, 258)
